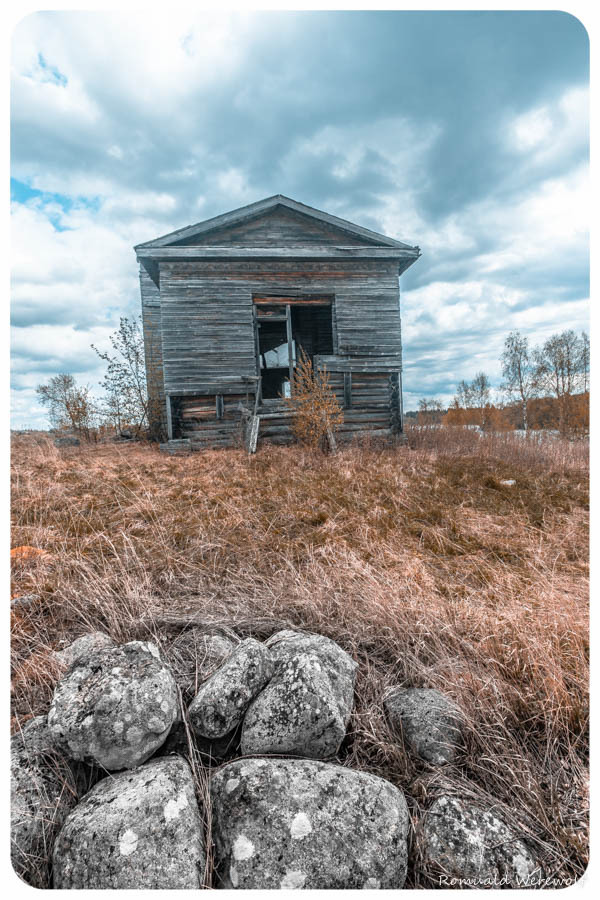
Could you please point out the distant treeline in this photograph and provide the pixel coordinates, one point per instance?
(544, 387)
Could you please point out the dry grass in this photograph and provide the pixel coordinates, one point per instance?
(418, 561)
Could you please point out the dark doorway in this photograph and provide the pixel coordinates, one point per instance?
(274, 359)
(284, 329)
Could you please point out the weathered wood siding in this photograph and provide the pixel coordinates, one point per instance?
(280, 227)
(206, 314)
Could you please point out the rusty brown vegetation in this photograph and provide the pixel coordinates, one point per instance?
(418, 560)
(314, 404)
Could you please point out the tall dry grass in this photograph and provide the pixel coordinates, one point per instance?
(419, 561)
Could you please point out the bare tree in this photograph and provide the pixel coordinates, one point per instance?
(464, 395)
(430, 411)
(125, 380)
(474, 395)
(585, 361)
(519, 371)
(559, 371)
(69, 404)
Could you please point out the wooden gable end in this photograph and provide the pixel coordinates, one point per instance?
(277, 227)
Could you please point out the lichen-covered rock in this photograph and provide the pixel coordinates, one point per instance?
(43, 789)
(114, 707)
(82, 647)
(306, 706)
(430, 723)
(306, 824)
(464, 842)
(24, 601)
(221, 702)
(138, 829)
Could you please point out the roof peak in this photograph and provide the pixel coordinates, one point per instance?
(260, 206)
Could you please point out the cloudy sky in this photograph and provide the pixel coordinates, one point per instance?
(465, 133)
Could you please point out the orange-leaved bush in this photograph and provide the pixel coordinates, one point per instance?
(315, 407)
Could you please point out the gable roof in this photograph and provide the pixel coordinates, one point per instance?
(253, 209)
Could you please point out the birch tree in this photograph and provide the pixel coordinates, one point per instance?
(519, 372)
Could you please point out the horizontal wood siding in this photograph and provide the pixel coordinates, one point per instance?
(371, 409)
(279, 227)
(206, 314)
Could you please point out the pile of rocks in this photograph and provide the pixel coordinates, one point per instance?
(293, 822)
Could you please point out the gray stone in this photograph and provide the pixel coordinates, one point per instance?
(82, 647)
(306, 824)
(140, 829)
(24, 601)
(430, 723)
(68, 440)
(115, 707)
(221, 702)
(463, 841)
(43, 789)
(306, 706)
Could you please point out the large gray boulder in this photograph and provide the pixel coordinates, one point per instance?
(464, 842)
(139, 829)
(306, 824)
(114, 707)
(221, 702)
(82, 647)
(305, 708)
(43, 790)
(430, 723)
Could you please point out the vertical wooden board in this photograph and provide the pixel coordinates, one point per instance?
(169, 408)
(347, 390)
(151, 327)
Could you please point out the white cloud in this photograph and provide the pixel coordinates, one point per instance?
(142, 123)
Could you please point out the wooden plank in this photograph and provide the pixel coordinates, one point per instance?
(347, 390)
(253, 436)
(169, 418)
(288, 328)
(300, 299)
(316, 252)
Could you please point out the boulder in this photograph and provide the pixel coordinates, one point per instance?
(463, 842)
(306, 706)
(43, 790)
(82, 647)
(24, 601)
(115, 707)
(68, 440)
(139, 829)
(280, 824)
(430, 723)
(221, 702)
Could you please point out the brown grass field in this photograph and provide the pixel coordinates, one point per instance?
(416, 559)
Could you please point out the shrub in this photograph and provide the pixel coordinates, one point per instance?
(316, 411)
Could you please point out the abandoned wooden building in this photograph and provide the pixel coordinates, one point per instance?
(228, 305)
